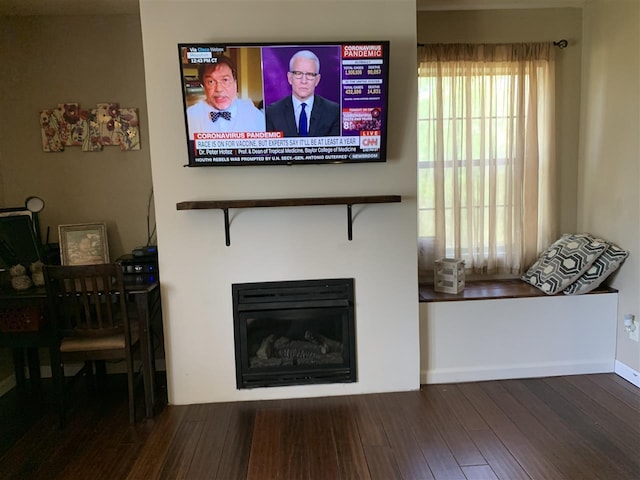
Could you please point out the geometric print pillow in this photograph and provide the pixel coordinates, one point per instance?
(564, 262)
(605, 265)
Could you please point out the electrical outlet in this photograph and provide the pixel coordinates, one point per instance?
(632, 327)
(635, 334)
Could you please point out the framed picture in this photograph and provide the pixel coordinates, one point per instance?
(83, 244)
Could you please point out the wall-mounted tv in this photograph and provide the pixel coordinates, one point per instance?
(285, 103)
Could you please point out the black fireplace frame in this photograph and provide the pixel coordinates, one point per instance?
(333, 295)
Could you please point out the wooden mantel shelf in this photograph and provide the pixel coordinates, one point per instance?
(225, 205)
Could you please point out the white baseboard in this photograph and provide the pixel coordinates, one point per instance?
(628, 373)
(480, 374)
(7, 384)
(117, 367)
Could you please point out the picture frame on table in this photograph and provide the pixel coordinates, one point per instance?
(83, 244)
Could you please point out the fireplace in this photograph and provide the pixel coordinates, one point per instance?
(294, 332)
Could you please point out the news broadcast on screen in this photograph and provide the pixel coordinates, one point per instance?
(285, 104)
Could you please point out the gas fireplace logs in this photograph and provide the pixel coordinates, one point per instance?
(314, 349)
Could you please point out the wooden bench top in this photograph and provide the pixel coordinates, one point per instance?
(491, 290)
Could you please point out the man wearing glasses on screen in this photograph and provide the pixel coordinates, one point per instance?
(221, 110)
(303, 113)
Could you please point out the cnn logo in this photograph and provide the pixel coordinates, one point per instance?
(370, 142)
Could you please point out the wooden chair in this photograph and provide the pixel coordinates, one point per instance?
(89, 309)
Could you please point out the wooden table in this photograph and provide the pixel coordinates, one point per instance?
(12, 301)
(146, 308)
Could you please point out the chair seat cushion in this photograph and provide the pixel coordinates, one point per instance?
(84, 344)
(111, 342)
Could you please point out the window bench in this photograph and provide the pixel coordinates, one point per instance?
(491, 289)
(509, 329)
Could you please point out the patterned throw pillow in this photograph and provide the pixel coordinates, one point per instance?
(563, 262)
(605, 265)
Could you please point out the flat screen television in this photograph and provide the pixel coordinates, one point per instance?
(285, 103)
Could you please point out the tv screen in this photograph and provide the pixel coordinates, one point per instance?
(285, 104)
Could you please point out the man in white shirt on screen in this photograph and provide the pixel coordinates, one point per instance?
(221, 110)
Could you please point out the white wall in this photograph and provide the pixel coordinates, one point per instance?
(610, 137)
(290, 243)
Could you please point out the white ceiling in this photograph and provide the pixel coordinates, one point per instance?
(68, 7)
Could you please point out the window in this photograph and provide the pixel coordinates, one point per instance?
(485, 156)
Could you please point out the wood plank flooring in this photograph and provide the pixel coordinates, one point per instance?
(584, 427)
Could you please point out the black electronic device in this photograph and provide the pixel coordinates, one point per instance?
(147, 251)
(139, 269)
(18, 242)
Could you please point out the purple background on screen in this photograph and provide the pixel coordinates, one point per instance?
(275, 65)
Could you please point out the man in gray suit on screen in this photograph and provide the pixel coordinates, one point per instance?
(303, 113)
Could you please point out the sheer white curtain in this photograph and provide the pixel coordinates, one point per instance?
(486, 156)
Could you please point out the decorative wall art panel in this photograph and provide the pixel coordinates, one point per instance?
(107, 125)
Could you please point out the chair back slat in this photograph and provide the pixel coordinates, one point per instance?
(87, 300)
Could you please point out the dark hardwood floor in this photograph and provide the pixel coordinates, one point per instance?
(575, 428)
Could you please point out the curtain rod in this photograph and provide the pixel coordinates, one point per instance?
(559, 43)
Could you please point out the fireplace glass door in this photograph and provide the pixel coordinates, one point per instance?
(294, 333)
